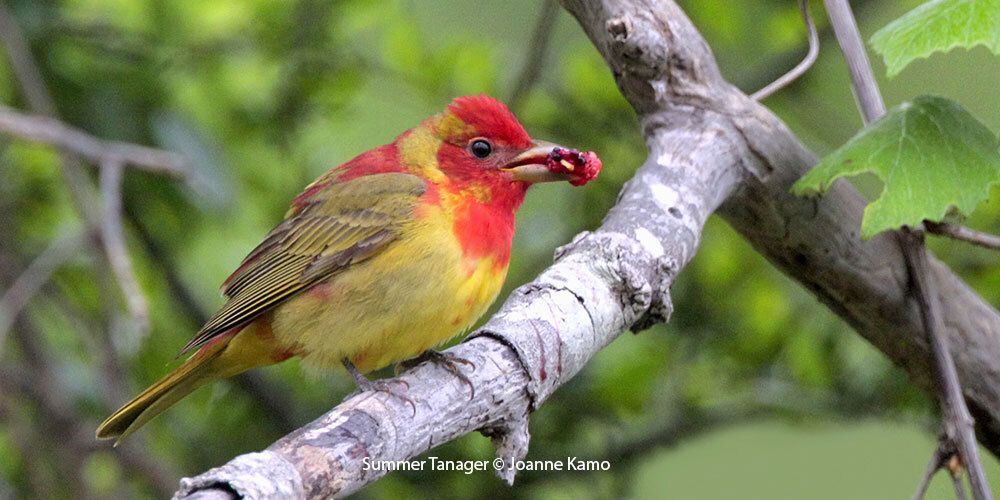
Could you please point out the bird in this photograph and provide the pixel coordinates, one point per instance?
(378, 260)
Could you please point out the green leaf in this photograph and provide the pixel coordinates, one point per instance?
(931, 155)
(938, 26)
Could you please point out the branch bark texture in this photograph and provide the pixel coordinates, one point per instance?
(711, 147)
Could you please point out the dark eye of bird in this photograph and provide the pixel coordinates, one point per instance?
(481, 148)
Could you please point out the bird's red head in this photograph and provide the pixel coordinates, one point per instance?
(479, 161)
(478, 143)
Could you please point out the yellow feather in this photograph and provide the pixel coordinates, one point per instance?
(415, 295)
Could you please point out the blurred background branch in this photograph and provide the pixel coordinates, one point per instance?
(803, 65)
(101, 153)
(535, 53)
(30, 282)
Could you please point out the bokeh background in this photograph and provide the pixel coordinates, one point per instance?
(753, 389)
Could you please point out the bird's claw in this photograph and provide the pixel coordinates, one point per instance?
(445, 360)
(386, 386)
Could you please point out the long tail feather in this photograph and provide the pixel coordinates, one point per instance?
(195, 372)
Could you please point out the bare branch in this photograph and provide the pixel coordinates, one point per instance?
(47, 129)
(72, 436)
(862, 77)
(538, 48)
(56, 133)
(113, 237)
(939, 460)
(33, 87)
(958, 422)
(962, 233)
(17, 297)
(71, 142)
(25, 70)
(800, 68)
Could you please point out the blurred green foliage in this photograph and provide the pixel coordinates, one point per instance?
(264, 95)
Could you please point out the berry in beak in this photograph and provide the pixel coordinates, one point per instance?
(548, 162)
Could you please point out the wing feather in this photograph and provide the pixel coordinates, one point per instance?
(342, 224)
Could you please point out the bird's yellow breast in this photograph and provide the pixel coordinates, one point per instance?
(419, 292)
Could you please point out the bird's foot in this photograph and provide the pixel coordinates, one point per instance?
(447, 361)
(386, 386)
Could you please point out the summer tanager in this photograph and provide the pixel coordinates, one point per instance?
(378, 260)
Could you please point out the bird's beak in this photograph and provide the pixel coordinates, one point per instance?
(531, 166)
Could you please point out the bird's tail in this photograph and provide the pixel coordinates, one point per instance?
(206, 365)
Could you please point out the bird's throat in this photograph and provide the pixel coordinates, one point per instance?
(483, 220)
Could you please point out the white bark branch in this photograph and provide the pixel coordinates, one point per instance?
(708, 143)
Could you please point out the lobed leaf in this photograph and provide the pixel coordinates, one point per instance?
(938, 26)
(931, 155)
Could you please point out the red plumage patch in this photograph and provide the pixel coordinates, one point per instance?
(485, 230)
(484, 219)
(484, 113)
(380, 160)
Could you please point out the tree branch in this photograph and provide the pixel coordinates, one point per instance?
(99, 218)
(962, 233)
(708, 143)
(538, 48)
(30, 282)
(113, 237)
(100, 152)
(958, 422)
(800, 68)
(944, 453)
(862, 78)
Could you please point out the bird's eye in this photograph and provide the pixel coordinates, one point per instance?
(481, 148)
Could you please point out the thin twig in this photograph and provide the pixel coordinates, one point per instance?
(956, 481)
(17, 297)
(56, 133)
(28, 76)
(31, 84)
(958, 422)
(538, 48)
(113, 238)
(959, 232)
(863, 83)
(69, 141)
(803, 66)
(944, 451)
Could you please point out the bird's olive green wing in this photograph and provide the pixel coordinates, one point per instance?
(325, 231)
